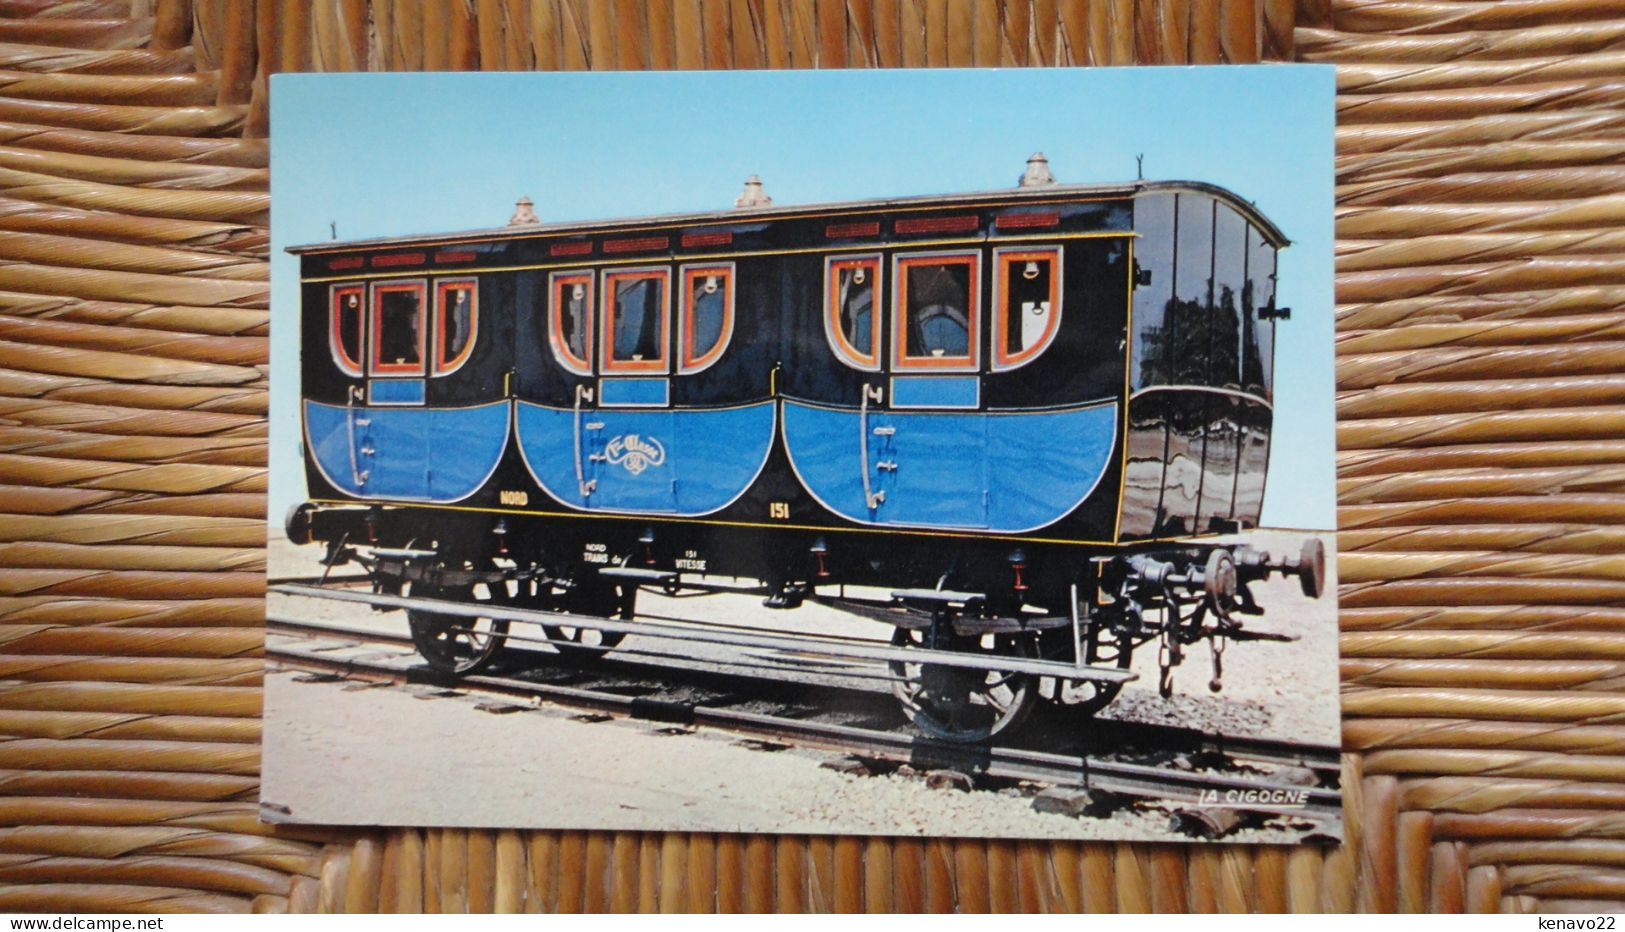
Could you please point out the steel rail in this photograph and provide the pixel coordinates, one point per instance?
(850, 650)
(1279, 751)
(322, 580)
(276, 623)
(666, 662)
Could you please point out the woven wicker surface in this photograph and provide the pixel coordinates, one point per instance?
(1481, 274)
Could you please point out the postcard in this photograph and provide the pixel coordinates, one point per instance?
(942, 453)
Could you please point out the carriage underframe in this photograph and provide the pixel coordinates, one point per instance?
(965, 665)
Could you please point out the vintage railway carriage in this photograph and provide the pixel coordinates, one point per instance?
(1021, 410)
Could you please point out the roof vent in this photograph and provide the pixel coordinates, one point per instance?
(753, 195)
(1037, 173)
(524, 213)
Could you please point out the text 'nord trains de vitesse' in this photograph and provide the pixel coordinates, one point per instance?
(1024, 413)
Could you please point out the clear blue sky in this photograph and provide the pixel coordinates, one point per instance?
(396, 154)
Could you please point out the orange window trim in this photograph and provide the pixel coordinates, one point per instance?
(555, 326)
(607, 321)
(692, 363)
(378, 364)
(443, 365)
(346, 362)
(900, 354)
(1002, 309)
(832, 309)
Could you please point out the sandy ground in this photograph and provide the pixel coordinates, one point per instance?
(336, 754)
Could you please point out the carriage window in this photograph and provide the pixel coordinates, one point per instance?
(1027, 304)
(1229, 280)
(1258, 349)
(345, 328)
(1190, 318)
(850, 321)
(635, 320)
(570, 324)
(708, 311)
(397, 328)
(935, 311)
(457, 310)
(1153, 292)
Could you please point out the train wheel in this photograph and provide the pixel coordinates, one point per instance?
(604, 601)
(959, 703)
(457, 644)
(1101, 649)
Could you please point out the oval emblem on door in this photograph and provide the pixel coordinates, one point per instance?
(635, 453)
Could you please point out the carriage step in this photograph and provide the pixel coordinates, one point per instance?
(638, 573)
(937, 596)
(402, 553)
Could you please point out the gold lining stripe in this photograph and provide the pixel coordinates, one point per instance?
(581, 262)
(666, 519)
(1128, 374)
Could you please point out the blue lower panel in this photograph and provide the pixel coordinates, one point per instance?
(1004, 472)
(684, 461)
(424, 454)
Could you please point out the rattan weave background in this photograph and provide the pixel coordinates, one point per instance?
(1481, 276)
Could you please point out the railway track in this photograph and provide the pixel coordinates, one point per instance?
(1213, 785)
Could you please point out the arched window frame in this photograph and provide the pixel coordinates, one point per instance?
(1004, 260)
(442, 365)
(901, 360)
(688, 363)
(607, 363)
(556, 282)
(845, 351)
(344, 361)
(379, 289)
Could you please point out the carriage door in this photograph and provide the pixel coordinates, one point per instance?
(347, 344)
(616, 344)
(927, 442)
(391, 447)
(939, 457)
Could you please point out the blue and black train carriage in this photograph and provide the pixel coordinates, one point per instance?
(1026, 413)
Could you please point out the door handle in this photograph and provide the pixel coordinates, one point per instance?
(873, 498)
(586, 486)
(357, 474)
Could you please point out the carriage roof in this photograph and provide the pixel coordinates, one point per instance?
(738, 215)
